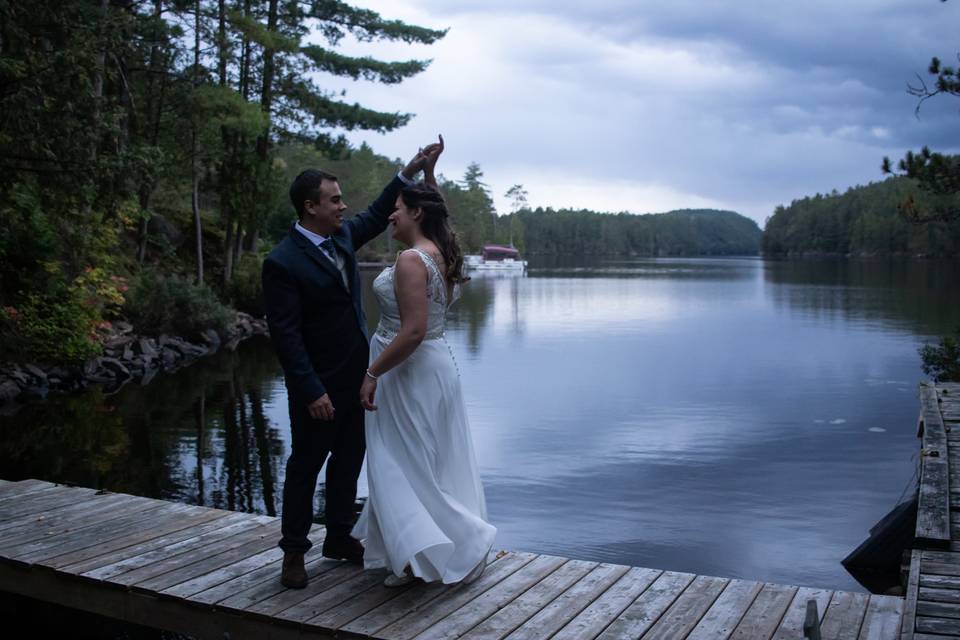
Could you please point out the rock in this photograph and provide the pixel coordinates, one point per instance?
(60, 372)
(9, 390)
(169, 357)
(117, 342)
(212, 338)
(148, 347)
(17, 374)
(35, 371)
(122, 327)
(128, 354)
(148, 376)
(91, 366)
(117, 368)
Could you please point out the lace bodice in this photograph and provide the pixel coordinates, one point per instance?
(437, 303)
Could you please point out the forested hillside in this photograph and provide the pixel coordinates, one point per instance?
(863, 221)
(687, 232)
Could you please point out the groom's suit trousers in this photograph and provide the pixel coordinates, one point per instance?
(339, 443)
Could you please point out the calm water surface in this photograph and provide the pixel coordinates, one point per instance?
(730, 417)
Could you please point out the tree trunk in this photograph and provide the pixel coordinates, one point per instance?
(152, 128)
(197, 224)
(222, 40)
(266, 91)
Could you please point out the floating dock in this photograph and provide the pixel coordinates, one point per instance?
(206, 572)
(932, 610)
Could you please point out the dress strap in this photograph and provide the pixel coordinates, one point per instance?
(436, 284)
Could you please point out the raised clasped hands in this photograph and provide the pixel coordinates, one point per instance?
(425, 160)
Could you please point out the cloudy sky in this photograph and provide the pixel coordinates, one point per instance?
(643, 106)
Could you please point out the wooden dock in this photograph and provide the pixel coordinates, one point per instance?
(207, 573)
(932, 609)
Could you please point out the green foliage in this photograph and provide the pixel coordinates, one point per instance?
(936, 174)
(690, 232)
(942, 361)
(863, 221)
(174, 305)
(245, 290)
(56, 326)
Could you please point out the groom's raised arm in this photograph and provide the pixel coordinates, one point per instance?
(366, 226)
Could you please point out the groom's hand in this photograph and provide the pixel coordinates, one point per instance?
(321, 408)
(418, 161)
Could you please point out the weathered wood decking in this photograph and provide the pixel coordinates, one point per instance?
(206, 572)
(932, 607)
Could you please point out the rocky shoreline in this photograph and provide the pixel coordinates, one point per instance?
(127, 357)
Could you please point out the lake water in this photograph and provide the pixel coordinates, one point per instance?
(729, 417)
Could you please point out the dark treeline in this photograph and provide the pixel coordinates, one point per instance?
(141, 151)
(686, 232)
(865, 220)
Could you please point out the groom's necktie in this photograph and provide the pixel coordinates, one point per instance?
(329, 249)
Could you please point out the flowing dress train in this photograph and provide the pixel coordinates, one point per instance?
(426, 507)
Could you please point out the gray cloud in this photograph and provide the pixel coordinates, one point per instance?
(657, 105)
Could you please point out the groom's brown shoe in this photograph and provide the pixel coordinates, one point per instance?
(343, 547)
(293, 574)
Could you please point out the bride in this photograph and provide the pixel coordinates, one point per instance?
(426, 515)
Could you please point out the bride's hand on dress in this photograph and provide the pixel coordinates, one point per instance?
(367, 391)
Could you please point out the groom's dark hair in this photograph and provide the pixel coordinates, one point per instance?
(306, 186)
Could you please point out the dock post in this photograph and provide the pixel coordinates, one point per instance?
(811, 625)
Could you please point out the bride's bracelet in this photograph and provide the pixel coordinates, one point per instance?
(371, 376)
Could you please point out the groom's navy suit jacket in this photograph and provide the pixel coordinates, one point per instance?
(318, 327)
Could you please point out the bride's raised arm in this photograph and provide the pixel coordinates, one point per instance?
(433, 154)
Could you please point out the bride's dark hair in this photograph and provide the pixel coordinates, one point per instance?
(435, 225)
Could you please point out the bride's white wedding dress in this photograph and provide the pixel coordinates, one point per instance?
(426, 507)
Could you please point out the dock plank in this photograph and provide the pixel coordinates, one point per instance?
(882, 620)
(844, 616)
(766, 613)
(241, 547)
(271, 607)
(565, 608)
(179, 555)
(933, 509)
(525, 606)
(727, 612)
(422, 593)
(590, 622)
(256, 586)
(938, 609)
(640, 615)
(205, 520)
(687, 610)
(791, 626)
(494, 599)
(35, 552)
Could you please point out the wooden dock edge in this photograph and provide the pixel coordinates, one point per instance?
(204, 623)
(933, 507)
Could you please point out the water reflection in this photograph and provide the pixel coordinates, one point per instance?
(913, 295)
(732, 417)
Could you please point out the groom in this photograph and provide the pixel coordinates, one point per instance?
(311, 288)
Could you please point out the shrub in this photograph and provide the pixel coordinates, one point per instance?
(56, 326)
(246, 289)
(174, 305)
(942, 362)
